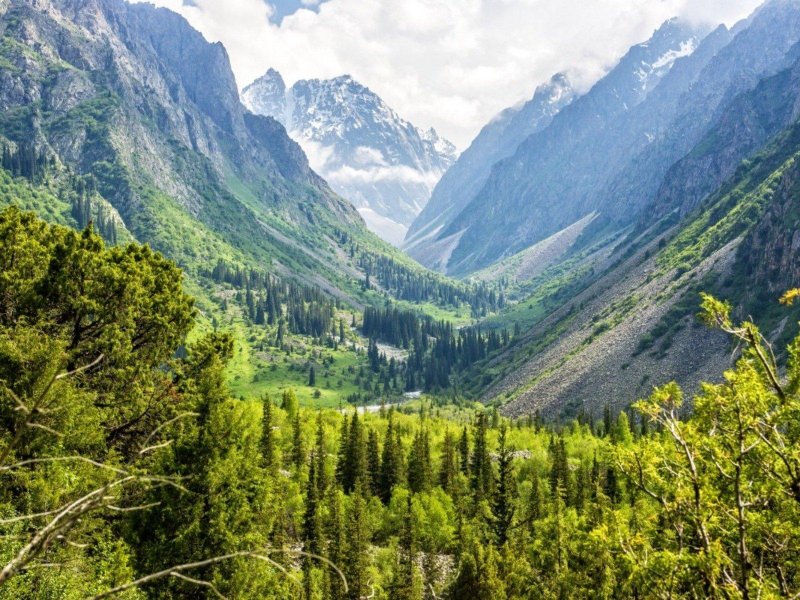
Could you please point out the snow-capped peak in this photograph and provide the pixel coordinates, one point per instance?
(383, 164)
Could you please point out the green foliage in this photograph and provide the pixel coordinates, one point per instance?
(148, 467)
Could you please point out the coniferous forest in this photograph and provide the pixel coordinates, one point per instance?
(510, 313)
(128, 470)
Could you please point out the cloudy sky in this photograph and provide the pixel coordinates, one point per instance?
(450, 64)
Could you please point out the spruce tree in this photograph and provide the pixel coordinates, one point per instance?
(390, 463)
(505, 490)
(448, 469)
(406, 583)
(320, 456)
(480, 464)
(419, 463)
(312, 526)
(267, 435)
(357, 542)
(336, 546)
(463, 452)
(341, 457)
(355, 467)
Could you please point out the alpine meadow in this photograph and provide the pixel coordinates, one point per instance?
(266, 333)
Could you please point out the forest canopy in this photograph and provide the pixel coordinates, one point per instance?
(128, 470)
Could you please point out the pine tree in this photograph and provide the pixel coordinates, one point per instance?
(341, 457)
(312, 526)
(336, 546)
(406, 584)
(267, 435)
(448, 469)
(390, 463)
(504, 494)
(357, 540)
(419, 463)
(480, 464)
(463, 452)
(312, 376)
(320, 455)
(355, 468)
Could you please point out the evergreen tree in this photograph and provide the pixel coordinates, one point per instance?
(463, 452)
(373, 463)
(419, 463)
(312, 526)
(355, 467)
(336, 547)
(390, 463)
(448, 469)
(480, 463)
(267, 435)
(503, 502)
(406, 583)
(298, 445)
(357, 540)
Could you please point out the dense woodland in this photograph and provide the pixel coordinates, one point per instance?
(127, 470)
(437, 351)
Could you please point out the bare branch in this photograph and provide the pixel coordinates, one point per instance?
(94, 363)
(201, 583)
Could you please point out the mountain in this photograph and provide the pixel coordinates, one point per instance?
(546, 185)
(497, 140)
(383, 164)
(141, 107)
(603, 158)
(126, 116)
(612, 320)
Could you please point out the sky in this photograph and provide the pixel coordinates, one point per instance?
(449, 64)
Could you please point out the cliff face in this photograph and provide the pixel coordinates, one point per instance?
(136, 98)
(769, 257)
(743, 127)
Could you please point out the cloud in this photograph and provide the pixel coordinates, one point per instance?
(400, 174)
(451, 64)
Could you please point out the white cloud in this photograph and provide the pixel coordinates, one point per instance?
(452, 64)
(346, 175)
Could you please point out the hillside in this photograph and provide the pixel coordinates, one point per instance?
(622, 320)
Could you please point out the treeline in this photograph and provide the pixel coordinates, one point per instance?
(437, 349)
(25, 161)
(421, 286)
(126, 470)
(288, 306)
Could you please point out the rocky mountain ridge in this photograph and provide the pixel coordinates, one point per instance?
(383, 164)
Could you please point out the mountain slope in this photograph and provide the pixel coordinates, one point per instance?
(383, 164)
(548, 182)
(133, 98)
(134, 113)
(497, 140)
(627, 323)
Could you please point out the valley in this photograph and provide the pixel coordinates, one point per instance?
(277, 341)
